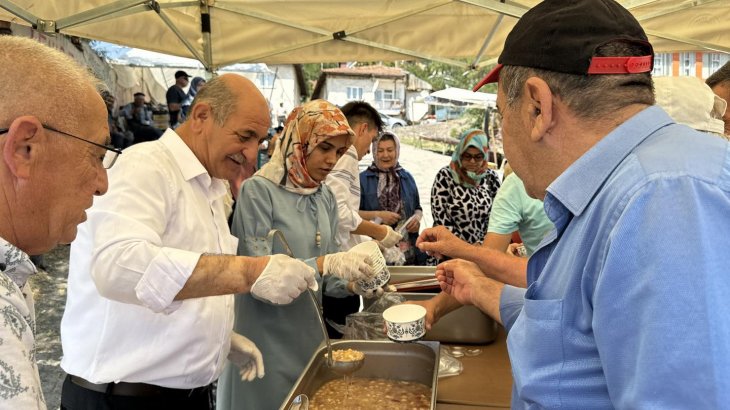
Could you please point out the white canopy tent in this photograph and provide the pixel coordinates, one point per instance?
(222, 32)
(462, 98)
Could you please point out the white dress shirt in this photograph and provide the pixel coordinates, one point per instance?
(140, 244)
(344, 181)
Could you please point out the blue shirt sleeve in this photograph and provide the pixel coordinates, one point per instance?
(510, 305)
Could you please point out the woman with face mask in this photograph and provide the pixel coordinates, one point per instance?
(288, 194)
(389, 193)
(463, 191)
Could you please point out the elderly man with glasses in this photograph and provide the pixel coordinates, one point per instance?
(54, 154)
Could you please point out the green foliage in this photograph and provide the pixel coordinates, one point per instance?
(442, 75)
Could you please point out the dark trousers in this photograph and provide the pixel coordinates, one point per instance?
(337, 309)
(75, 397)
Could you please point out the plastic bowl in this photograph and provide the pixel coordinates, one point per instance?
(382, 275)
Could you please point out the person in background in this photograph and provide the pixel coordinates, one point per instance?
(352, 229)
(149, 315)
(288, 194)
(120, 138)
(691, 102)
(175, 97)
(195, 85)
(463, 191)
(139, 119)
(55, 148)
(719, 82)
(639, 205)
(389, 192)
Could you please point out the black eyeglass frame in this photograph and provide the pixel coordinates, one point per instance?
(106, 147)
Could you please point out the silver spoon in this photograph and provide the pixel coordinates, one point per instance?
(340, 367)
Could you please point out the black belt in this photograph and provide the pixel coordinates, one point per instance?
(135, 389)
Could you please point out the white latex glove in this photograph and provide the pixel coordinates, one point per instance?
(283, 280)
(391, 238)
(348, 265)
(372, 293)
(247, 357)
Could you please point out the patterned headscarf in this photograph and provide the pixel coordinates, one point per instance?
(389, 195)
(470, 138)
(307, 126)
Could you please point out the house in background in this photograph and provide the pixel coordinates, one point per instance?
(391, 90)
(691, 64)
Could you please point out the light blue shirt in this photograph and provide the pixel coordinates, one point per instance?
(514, 210)
(627, 305)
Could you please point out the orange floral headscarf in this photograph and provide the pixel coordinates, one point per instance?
(307, 126)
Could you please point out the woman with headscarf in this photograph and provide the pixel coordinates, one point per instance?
(195, 86)
(463, 191)
(288, 194)
(389, 193)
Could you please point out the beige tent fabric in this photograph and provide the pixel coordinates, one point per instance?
(301, 31)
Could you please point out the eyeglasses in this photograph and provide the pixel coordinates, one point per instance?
(110, 156)
(468, 157)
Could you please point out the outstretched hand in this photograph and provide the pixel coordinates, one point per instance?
(439, 242)
(460, 279)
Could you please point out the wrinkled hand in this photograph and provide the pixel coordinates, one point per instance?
(247, 357)
(283, 280)
(459, 278)
(348, 265)
(391, 237)
(439, 242)
(355, 288)
(389, 218)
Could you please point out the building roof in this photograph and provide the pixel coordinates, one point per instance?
(370, 71)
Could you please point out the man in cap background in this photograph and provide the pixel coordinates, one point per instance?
(176, 96)
(626, 300)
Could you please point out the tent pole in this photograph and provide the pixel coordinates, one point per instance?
(487, 41)
(182, 39)
(205, 29)
(19, 11)
(99, 12)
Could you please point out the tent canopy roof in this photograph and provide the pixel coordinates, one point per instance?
(460, 32)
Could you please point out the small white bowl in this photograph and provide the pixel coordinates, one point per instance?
(405, 322)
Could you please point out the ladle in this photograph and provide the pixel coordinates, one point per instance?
(340, 367)
(301, 402)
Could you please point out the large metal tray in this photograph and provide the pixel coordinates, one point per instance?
(416, 362)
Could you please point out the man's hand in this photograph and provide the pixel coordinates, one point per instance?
(348, 265)
(391, 237)
(247, 357)
(460, 279)
(389, 218)
(283, 280)
(439, 242)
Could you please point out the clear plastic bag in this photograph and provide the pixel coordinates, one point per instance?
(394, 256)
(448, 364)
(369, 324)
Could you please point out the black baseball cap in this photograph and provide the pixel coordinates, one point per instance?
(181, 73)
(563, 35)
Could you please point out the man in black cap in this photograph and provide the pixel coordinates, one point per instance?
(175, 97)
(626, 305)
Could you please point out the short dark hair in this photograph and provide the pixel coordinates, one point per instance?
(139, 95)
(588, 96)
(358, 112)
(721, 76)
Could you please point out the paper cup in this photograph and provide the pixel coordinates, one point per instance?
(382, 275)
(405, 322)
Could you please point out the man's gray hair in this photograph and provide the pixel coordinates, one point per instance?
(41, 81)
(721, 76)
(220, 97)
(588, 96)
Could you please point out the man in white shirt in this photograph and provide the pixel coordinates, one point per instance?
(55, 146)
(344, 181)
(149, 313)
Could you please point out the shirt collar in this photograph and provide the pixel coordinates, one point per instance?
(15, 263)
(594, 167)
(189, 165)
